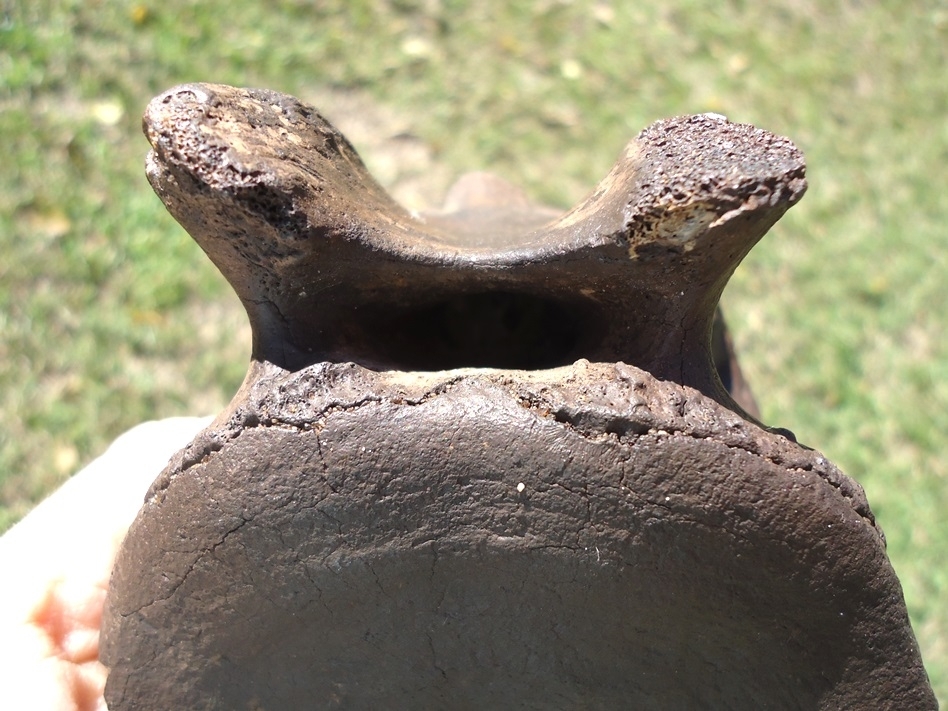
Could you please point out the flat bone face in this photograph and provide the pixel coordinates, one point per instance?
(482, 457)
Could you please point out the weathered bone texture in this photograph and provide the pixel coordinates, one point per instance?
(482, 457)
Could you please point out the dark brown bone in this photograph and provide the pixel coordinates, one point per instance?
(531, 533)
(284, 207)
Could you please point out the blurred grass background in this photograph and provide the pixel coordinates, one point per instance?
(110, 315)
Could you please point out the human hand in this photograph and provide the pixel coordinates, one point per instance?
(56, 564)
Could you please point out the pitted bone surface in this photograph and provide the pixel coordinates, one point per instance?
(283, 205)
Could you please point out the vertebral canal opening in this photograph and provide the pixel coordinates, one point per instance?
(493, 329)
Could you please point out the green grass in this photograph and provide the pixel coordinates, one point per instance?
(841, 314)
